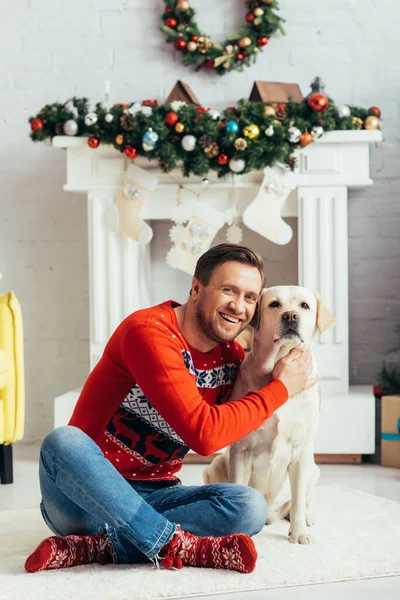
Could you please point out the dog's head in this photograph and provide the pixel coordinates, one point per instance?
(290, 315)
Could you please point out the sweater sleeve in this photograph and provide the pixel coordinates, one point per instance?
(160, 371)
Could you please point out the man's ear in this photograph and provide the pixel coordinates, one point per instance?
(255, 322)
(324, 317)
(194, 290)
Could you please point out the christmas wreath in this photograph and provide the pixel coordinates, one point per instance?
(239, 49)
(251, 135)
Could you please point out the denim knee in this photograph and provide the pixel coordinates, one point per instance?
(246, 507)
(66, 441)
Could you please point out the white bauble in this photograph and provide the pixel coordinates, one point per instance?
(90, 119)
(269, 131)
(188, 143)
(215, 114)
(109, 118)
(343, 111)
(317, 131)
(294, 134)
(70, 127)
(237, 165)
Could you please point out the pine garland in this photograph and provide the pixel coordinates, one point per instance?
(124, 125)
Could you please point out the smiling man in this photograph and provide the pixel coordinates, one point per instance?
(108, 479)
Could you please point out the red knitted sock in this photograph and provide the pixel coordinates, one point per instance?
(236, 551)
(69, 551)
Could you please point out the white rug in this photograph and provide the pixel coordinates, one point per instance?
(357, 536)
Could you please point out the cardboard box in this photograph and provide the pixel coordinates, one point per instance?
(390, 437)
(275, 92)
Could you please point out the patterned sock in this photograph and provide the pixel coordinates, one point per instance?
(236, 551)
(69, 551)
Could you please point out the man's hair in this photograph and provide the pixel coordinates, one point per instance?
(223, 253)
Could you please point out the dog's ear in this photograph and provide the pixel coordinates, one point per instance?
(255, 322)
(324, 317)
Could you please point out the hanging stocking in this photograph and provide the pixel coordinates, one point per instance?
(194, 238)
(137, 184)
(263, 215)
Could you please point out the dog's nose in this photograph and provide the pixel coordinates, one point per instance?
(290, 315)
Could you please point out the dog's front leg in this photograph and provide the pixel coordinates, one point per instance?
(240, 463)
(299, 475)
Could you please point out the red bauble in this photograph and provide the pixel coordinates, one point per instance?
(93, 142)
(262, 41)
(130, 151)
(223, 159)
(171, 118)
(180, 44)
(151, 102)
(244, 52)
(37, 124)
(239, 56)
(194, 38)
(222, 124)
(171, 22)
(376, 110)
(168, 10)
(318, 102)
(209, 63)
(202, 110)
(250, 17)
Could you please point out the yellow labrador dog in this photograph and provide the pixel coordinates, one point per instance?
(282, 448)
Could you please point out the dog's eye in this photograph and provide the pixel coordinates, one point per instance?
(274, 304)
(305, 305)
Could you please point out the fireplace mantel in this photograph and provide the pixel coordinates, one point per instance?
(120, 269)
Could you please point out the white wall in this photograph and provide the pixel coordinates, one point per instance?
(52, 49)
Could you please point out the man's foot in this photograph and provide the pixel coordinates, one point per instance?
(69, 551)
(236, 551)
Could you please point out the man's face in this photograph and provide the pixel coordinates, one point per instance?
(226, 305)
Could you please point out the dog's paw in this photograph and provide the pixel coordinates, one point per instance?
(310, 519)
(300, 538)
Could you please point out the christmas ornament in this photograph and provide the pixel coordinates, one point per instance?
(127, 122)
(178, 234)
(212, 150)
(109, 118)
(262, 41)
(318, 102)
(183, 5)
(119, 139)
(209, 63)
(376, 110)
(251, 131)
(149, 140)
(205, 183)
(250, 17)
(203, 44)
(223, 159)
(147, 111)
(179, 127)
(171, 22)
(180, 44)
(192, 46)
(90, 119)
(372, 122)
(234, 234)
(357, 122)
(130, 151)
(135, 108)
(37, 124)
(317, 131)
(237, 165)
(269, 111)
(258, 11)
(244, 42)
(240, 144)
(270, 131)
(232, 127)
(306, 138)
(70, 127)
(294, 135)
(280, 111)
(188, 143)
(343, 111)
(171, 118)
(215, 114)
(177, 104)
(93, 142)
(150, 102)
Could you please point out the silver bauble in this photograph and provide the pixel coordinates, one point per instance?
(70, 127)
(237, 165)
(90, 119)
(317, 131)
(269, 131)
(109, 118)
(294, 134)
(188, 143)
(343, 111)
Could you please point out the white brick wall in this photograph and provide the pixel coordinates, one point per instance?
(52, 49)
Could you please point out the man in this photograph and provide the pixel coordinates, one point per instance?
(108, 479)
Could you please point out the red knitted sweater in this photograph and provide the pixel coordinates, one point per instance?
(152, 397)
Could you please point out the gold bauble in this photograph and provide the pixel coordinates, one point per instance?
(183, 5)
(269, 111)
(357, 122)
(258, 12)
(276, 123)
(251, 131)
(179, 127)
(372, 122)
(240, 144)
(244, 42)
(119, 139)
(192, 46)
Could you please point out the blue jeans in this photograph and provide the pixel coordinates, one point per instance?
(83, 494)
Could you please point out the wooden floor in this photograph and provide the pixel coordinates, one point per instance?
(321, 459)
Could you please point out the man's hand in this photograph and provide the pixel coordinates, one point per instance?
(296, 371)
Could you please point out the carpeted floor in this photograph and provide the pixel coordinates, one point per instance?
(357, 536)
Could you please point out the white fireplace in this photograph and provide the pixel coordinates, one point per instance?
(123, 274)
